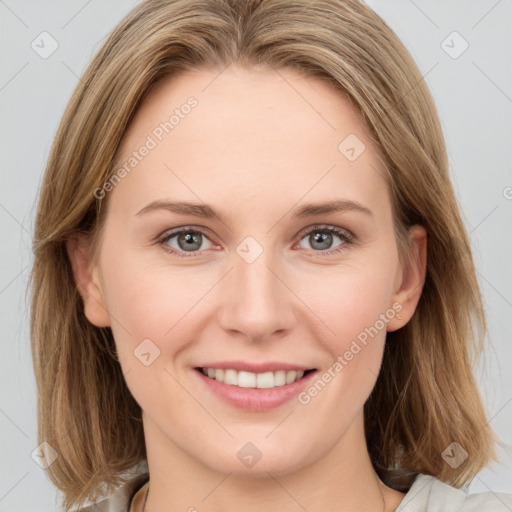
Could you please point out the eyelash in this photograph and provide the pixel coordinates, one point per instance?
(344, 235)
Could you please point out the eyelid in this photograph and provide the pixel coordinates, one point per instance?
(326, 227)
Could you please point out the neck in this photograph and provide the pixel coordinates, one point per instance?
(342, 480)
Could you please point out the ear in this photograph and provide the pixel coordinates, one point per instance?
(410, 280)
(87, 281)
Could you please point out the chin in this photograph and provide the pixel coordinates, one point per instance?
(248, 459)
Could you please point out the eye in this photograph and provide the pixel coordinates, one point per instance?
(321, 238)
(187, 240)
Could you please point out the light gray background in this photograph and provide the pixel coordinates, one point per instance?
(473, 94)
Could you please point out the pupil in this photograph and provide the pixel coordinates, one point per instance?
(190, 240)
(322, 238)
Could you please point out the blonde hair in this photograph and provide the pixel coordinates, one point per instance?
(425, 397)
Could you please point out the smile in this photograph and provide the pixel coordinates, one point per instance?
(246, 379)
(254, 387)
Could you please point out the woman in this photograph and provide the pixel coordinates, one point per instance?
(252, 285)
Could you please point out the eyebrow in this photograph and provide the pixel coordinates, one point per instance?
(209, 212)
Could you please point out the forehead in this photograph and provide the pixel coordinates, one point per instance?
(244, 103)
(216, 133)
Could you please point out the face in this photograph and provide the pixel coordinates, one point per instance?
(253, 283)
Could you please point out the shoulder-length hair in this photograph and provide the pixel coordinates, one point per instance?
(425, 397)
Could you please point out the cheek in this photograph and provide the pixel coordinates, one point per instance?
(152, 311)
(149, 302)
(349, 300)
(355, 309)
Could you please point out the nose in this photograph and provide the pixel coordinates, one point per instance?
(257, 303)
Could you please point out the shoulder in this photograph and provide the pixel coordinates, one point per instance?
(120, 500)
(428, 494)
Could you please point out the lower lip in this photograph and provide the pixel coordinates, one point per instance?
(255, 399)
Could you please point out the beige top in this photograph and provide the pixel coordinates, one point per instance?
(427, 494)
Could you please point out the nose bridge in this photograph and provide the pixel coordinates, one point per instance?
(258, 302)
(257, 283)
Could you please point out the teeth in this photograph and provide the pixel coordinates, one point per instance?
(253, 380)
(245, 380)
(280, 378)
(290, 377)
(265, 380)
(230, 377)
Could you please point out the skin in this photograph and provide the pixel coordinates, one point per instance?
(258, 145)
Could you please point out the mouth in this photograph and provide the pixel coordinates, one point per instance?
(254, 391)
(246, 379)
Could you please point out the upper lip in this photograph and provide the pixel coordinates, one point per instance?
(271, 366)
